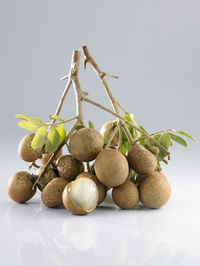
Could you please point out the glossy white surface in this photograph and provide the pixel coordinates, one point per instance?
(31, 234)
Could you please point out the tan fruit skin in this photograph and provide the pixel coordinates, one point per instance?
(126, 196)
(85, 144)
(20, 187)
(68, 167)
(45, 157)
(155, 190)
(111, 168)
(141, 160)
(107, 129)
(52, 193)
(25, 150)
(46, 178)
(101, 187)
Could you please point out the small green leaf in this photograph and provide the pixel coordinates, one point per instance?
(56, 117)
(105, 141)
(178, 139)
(130, 118)
(79, 127)
(90, 124)
(164, 140)
(141, 127)
(61, 132)
(39, 138)
(187, 135)
(23, 117)
(124, 137)
(123, 149)
(53, 140)
(37, 121)
(28, 125)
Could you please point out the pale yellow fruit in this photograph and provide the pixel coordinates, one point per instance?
(106, 131)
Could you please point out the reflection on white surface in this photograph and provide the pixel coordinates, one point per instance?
(108, 236)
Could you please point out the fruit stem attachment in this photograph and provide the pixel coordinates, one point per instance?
(55, 153)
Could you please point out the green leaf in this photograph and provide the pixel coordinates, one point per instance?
(37, 122)
(141, 127)
(178, 139)
(164, 140)
(187, 135)
(105, 141)
(124, 137)
(61, 132)
(130, 118)
(90, 124)
(28, 125)
(123, 148)
(56, 117)
(53, 140)
(23, 117)
(39, 138)
(79, 127)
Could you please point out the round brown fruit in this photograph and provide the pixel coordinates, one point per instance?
(45, 157)
(101, 187)
(126, 196)
(155, 190)
(111, 168)
(26, 152)
(85, 144)
(68, 167)
(80, 196)
(20, 187)
(106, 131)
(52, 193)
(49, 175)
(141, 160)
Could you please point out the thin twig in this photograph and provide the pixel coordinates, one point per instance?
(61, 122)
(112, 135)
(55, 153)
(156, 133)
(88, 166)
(122, 108)
(128, 134)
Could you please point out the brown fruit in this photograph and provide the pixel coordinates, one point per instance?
(20, 187)
(49, 175)
(125, 196)
(85, 144)
(106, 131)
(111, 168)
(141, 160)
(45, 157)
(68, 167)
(52, 193)
(101, 187)
(80, 196)
(26, 152)
(155, 190)
(140, 178)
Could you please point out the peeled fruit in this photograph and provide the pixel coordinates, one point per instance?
(45, 157)
(141, 160)
(107, 129)
(20, 187)
(85, 144)
(101, 187)
(26, 152)
(125, 196)
(111, 168)
(155, 190)
(49, 175)
(80, 196)
(68, 167)
(52, 193)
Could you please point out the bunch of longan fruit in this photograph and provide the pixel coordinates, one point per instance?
(65, 183)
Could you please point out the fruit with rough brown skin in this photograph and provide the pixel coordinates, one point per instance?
(26, 152)
(45, 157)
(20, 187)
(68, 167)
(111, 168)
(106, 131)
(85, 144)
(49, 175)
(155, 190)
(80, 196)
(125, 196)
(52, 193)
(141, 160)
(101, 187)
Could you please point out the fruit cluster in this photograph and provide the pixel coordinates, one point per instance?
(66, 183)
